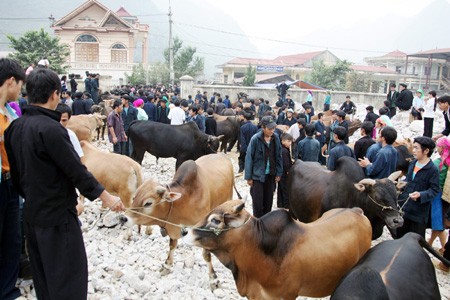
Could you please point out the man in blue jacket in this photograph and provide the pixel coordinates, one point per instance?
(263, 166)
(247, 130)
(129, 114)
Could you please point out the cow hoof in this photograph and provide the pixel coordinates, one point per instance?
(148, 230)
(214, 283)
(165, 270)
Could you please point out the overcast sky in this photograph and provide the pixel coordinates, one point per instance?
(279, 19)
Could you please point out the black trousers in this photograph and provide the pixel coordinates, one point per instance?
(282, 193)
(58, 260)
(241, 160)
(262, 196)
(392, 112)
(428, 127)
(411, 226)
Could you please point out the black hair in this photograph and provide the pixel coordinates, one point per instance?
(41, 84)
(177, 102)
(310, 130)
(403, 85)
(11, 68)
(210, 111)
(24, 94)
(368, 127)
(64, 77)
(286, 137)
(340, 132)
(425, 143)
(194, 108)
(184, 103)
(68, 93)
(64, 108)
(383, 111)
(308, 107)
(117, 103)
(389, 133)
(320, 115)
(444, 99)
(392, 85)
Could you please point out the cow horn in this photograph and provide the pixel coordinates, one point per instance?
(394, 176)
(160, 190)
(238, 208)
(367, 181)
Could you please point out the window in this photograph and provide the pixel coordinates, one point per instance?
(86, 48)
(225, 78)
(119, 53)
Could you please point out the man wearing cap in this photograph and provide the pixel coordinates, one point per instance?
(405, 98)
(343, 123)
(263, 166)
(289, 120)
(392, 97)
(340, 149)
(129, 114)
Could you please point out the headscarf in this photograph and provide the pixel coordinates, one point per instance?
(444, 143)
(138, 102)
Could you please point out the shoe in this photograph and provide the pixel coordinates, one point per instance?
(439, 265)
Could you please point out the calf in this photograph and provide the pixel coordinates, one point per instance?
(85, 125)
(398, 269)
(103, 109)
(197, 187)
(276, 257)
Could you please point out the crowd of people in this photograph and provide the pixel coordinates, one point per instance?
(271, 139)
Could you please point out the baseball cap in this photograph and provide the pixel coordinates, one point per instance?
(290, 110)
(268, 122)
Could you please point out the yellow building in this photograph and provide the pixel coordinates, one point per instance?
(102, 41)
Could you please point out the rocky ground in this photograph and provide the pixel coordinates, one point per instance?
(130, 269)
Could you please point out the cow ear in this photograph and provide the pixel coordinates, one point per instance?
(238, 208)
(360, 187)
(394, 176)
(220, 137)
(173, 196)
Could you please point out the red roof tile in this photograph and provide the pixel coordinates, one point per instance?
(122, 12)
(396, 53)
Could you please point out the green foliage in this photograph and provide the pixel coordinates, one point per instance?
(138, 75)
(184, 60)
(365, 83)
(330, 77)
(159, 73)
(34, 45)
(250, 76)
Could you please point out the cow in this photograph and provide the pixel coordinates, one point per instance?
(85, 125)
(398, 269)
(182, 142)
(104, 110)
(196, 188)
(229, 128)
(277, 257)
(119, 174)
(313, 190)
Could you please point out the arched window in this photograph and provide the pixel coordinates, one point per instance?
(119, 53)
(86, 48)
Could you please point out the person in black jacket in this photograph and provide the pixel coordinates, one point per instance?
(371, 116)
(210, 123)
(45, 170)
(444, 105)
(282, 192)
(80, 106)
(391, 97)
(343, 123)
(405, 98)
(421, 188)
(365, 141)
(129, 114)
(247, 130)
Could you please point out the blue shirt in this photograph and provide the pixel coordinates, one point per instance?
(385, 163)
(308, 149)
(339, 150)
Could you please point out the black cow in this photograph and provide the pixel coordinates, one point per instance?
(229, 128)
(183, 142)
(398, 269)
(314, 190)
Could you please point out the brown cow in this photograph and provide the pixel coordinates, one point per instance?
(84, 126)
(119, 174)
(276, 257)
(197, 186)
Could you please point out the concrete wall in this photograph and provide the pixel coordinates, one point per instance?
(298, 95)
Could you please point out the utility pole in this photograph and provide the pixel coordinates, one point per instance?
(172, 74)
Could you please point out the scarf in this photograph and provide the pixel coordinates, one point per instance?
(444, 143)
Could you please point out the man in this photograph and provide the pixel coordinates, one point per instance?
(343, 123)
(67, 99)
(129, 114)
(176, 114)
(365, 141)
(289, 120)
(87, 83)
(247, 130)
(80, 106)
(282, 89)
(340, 149)
(150, 109)
(194, 117)
(95, 88)
(444, 105)
(73, 83)
(263, 166)
(12, 78)
(348, 107)
(261, 108)
(392, 96)
(320, 129)
(405, 98)
(290, 103)
(371, 116)
(220, 107)
(116, 132)
(162, 112)
(309, 148)
(385, 162)
(37, 144)
(227, 101)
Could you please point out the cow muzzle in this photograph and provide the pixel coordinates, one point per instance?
(123, 220)
(394, 222)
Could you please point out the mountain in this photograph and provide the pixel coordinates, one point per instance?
(195, 22)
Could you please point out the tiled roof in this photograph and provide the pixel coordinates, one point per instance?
(122, 12)
(297, 59)
(396, 53)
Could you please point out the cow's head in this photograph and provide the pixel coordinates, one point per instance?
(212, 143)
(381, 199)
(151, 199)
(209, 232)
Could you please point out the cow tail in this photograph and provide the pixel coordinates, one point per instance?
(239, 195)
(430, 249)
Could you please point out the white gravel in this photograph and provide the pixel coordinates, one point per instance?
(130, 269)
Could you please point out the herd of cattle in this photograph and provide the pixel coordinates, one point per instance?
(319, 247)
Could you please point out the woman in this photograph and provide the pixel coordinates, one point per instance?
(438, 206)
(417, 105)
(309, 98)
(139, 104)
(63, 84)
(327, 102)
(428, 114)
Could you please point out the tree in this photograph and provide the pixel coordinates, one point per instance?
(365, 83)
(184, 60)
(330, 77)
(35, 45)
(158, 73)
(138, 75)
(250, 76)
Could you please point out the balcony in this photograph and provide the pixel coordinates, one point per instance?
(102, 66)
